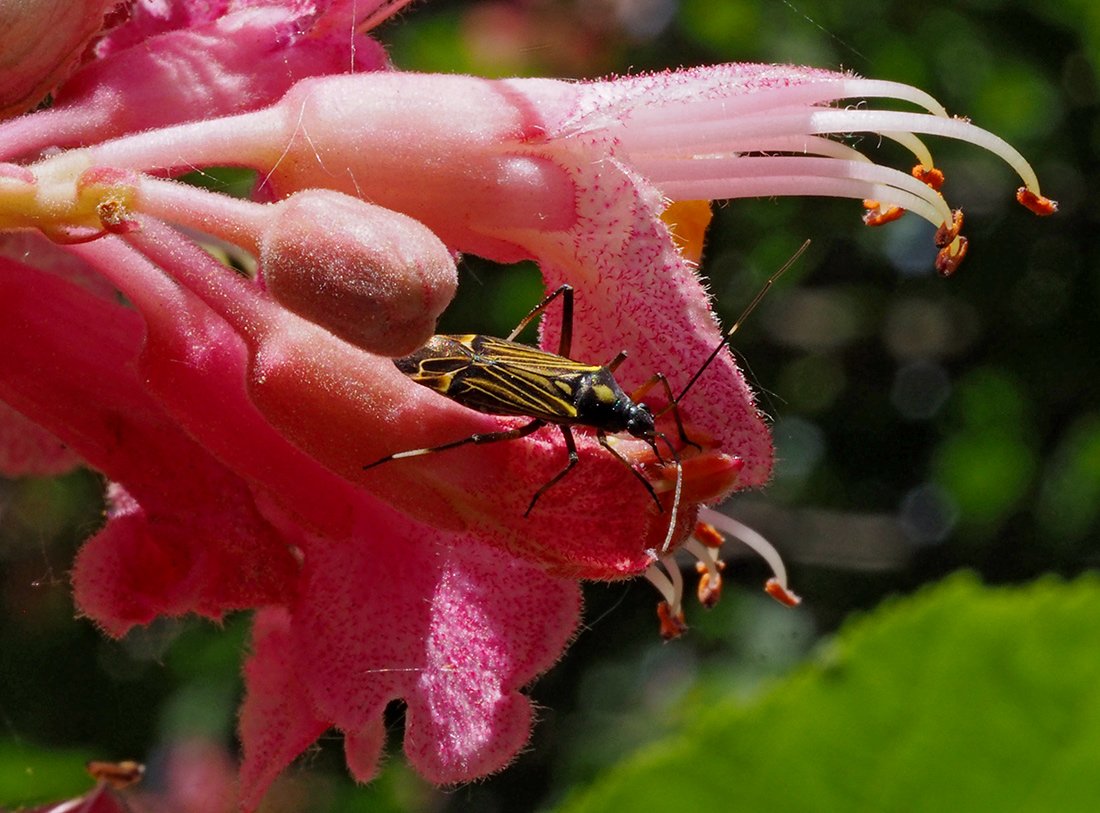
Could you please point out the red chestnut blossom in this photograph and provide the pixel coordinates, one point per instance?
(234, 414)
(167, 62)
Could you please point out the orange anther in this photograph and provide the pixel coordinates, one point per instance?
(673, 625)
(116, 774)
(781, 594)
(876, 215)
(710, 588)
(1038, 204)
(950, 257)
(930, 176)
(708, 535)
(947, 232)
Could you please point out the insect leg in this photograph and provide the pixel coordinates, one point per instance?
(571, 445)
(602, 437)
(566, 343)
(673, 406)
(487, 437)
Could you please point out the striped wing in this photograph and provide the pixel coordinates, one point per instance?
(499, 377)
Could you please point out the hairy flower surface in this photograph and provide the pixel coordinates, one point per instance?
(234, 414)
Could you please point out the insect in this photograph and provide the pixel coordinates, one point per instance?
(508, 378)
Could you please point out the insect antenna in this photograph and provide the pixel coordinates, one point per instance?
(673, 405)
(740, 321)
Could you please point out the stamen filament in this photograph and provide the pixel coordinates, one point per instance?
(751, 538)
(665, 576)
(709, 568)
(707, 556)
(857, 88)
(913, 144)
(743, 176)
(694, 137)
(699, 107)
(658, 576)
(769, 186)
(677, 581)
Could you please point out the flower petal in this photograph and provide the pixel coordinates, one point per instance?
(277, 720)
(184, 533)
(40, 44)
(204, 556)
(28, 449)
(447, 624)
(201, 60)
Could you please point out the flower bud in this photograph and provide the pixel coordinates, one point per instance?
(371, 276)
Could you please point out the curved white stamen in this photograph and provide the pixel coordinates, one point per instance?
(657, 574)
(699, 107)
(709, 137)
(742, 176)
(914, 145)
(707, 555)
(804, 145)
(677, 582)
(751, 538)
(720, 103)
(692, 137)
(768, 186)
(855, 88)
(797, 144)
(959, 129)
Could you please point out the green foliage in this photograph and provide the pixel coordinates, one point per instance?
(959, 698)
(1070, 498)
(29, 774)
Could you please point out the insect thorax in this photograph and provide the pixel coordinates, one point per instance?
(601, 402)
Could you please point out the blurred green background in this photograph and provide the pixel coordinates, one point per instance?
(923, 427)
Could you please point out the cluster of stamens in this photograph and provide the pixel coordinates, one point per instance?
(951, 243)
(704, 544)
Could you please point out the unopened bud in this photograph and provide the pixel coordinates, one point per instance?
(375, 278)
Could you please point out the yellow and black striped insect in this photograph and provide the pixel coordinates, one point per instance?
(508, 378)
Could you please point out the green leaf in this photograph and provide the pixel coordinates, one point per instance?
(958, 698)
(30, 774)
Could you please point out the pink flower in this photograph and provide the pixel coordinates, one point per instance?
(234, 414)
(168, 62)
